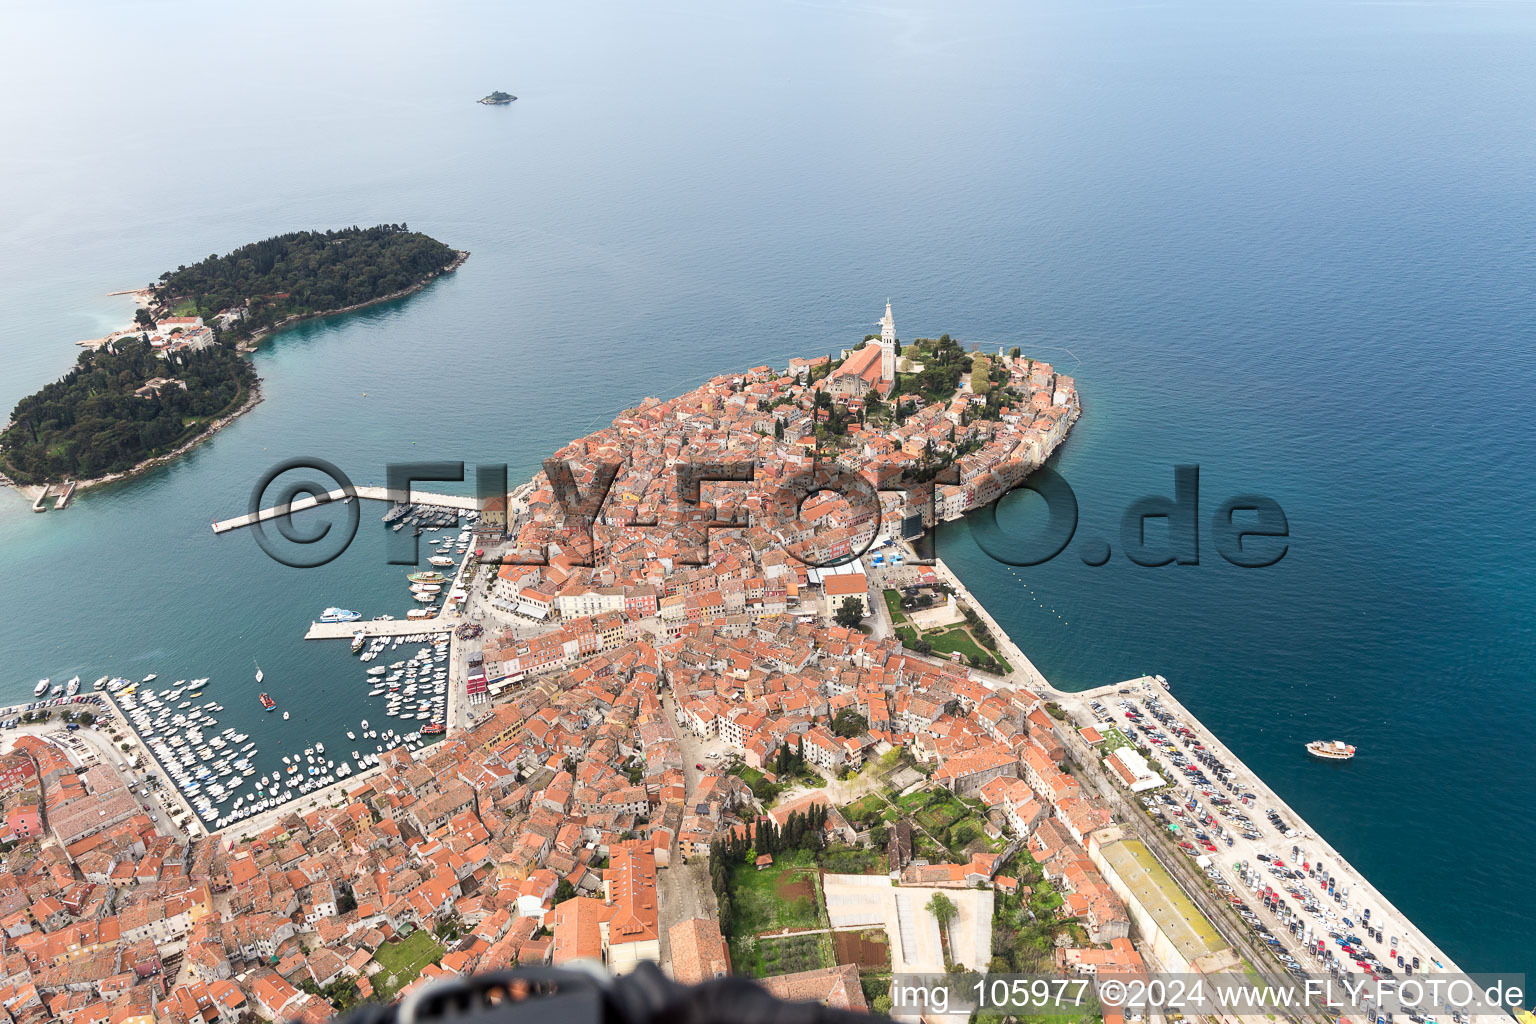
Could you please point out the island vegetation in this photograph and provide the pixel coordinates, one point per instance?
(304, 273)
(143, 395)
(497, 99)
(92, 422)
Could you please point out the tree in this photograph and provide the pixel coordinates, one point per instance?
(981, 374)
(1014, 352)
(564, 890)
(850, 613)
(849, 723)
(943, 909)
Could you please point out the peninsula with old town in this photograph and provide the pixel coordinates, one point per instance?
(740, 726)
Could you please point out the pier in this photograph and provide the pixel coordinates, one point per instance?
(458, 501)
(378, 627)
(61, 493)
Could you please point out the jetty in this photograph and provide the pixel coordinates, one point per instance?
(61, 493)
(458, 501)
(378, 627)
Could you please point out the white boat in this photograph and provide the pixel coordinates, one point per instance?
(258, 673)
(1331, 750)
(351, 735)
(41, 687)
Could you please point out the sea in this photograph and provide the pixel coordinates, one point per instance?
(1286, 241)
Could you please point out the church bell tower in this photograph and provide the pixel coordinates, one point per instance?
(888, 344)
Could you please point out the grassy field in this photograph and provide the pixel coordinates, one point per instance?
(959, 639)
(950, 820)
(1114, 739)
(893, 605)
(865, 808)
(751, 776)
(787, 895)
(947, 641)
(402, 961)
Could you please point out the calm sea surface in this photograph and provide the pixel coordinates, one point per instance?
(1287, 241)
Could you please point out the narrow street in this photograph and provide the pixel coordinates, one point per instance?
(684, 888)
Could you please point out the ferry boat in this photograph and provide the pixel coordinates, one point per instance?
(267, 703)
(1331, 750)
(432, 728)
(358, 640)
(41, 687)
(426, 577)
(339, 615)
(440, 560)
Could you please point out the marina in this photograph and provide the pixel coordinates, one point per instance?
(446, 501)
(215, 776)
(213, 770)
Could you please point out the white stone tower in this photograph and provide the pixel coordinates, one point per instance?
(888, 344)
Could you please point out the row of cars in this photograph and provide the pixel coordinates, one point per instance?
(1161, 736)
(1189, 810)
(1310, 916)
(39, 705)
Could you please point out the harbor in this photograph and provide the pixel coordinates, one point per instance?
(214, 770)
(447, 501)
(212, 774)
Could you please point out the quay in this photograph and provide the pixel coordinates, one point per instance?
(148, 763)
(1308, 845)
(377, 627)
(1076, 707)
(458, 501)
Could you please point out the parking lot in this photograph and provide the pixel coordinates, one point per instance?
(1315, 915)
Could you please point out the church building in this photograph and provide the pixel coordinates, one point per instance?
(871, 368)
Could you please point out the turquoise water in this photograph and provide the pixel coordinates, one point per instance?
(1289, 242)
